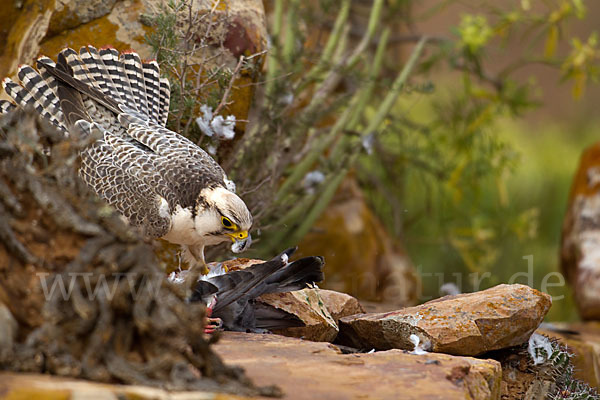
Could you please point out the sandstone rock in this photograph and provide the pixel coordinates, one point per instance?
(340, 304)
(361, 258)
(307, 305)
(48, 387)
(465, 324)
(118, 26)
(304, 370)
(307, 370)
(45, 27)
(22, 30)
(580, 249)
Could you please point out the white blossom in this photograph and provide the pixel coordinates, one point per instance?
(203, 122)
(449, 288)
(312, 180)
(223, 128)
(210, 125)
(287, 99)
(367, 143)
(539, 348)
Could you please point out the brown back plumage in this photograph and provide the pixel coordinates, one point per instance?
(138, 165)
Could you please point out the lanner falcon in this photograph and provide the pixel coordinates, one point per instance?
(159, 180)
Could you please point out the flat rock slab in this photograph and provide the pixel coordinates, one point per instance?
(309, 370)
(47, 387)
(466, 324)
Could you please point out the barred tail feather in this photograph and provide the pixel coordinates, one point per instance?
(80, 71)
(23, 98)
(6, 106)
(42, 93)
(135, 74)
(165, 97)
(91, 57)
(152, 82)
(41, 64)
(115, 68)
(92, 85)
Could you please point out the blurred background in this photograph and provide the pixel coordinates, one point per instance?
(414, 144)
(506, 216)
(510, 218)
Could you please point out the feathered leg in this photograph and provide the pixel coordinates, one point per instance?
(194, 256)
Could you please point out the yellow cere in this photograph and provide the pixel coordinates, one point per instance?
(240, 235)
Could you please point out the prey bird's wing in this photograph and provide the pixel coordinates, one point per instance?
(252, 282)
(269, 317)
(273, 276)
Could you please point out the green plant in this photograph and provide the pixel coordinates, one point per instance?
(551, 361)
(428, 154)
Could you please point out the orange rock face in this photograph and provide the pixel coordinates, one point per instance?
(307, 370)
(465, 324)
(22, 30)
(46, 27)
(580, 248)
(340, 304)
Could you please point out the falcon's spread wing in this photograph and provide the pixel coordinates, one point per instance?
(141, 168)
(236, 290)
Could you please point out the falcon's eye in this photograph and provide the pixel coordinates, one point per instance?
(227, 223)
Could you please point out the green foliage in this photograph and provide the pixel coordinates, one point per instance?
(179, 40)
(442, 177)
(431, 155)
(310, 117)
(474, 32)
(581, 64)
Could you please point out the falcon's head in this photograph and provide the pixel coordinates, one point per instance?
(222, 216)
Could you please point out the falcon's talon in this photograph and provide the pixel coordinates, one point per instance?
(204, 269)
(212, 325)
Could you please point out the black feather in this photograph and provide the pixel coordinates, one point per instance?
(237, 289)
(268, 317)
(71, 89)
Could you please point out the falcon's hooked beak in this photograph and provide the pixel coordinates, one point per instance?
(241, 241)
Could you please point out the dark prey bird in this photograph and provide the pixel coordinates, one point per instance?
(231, 296)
